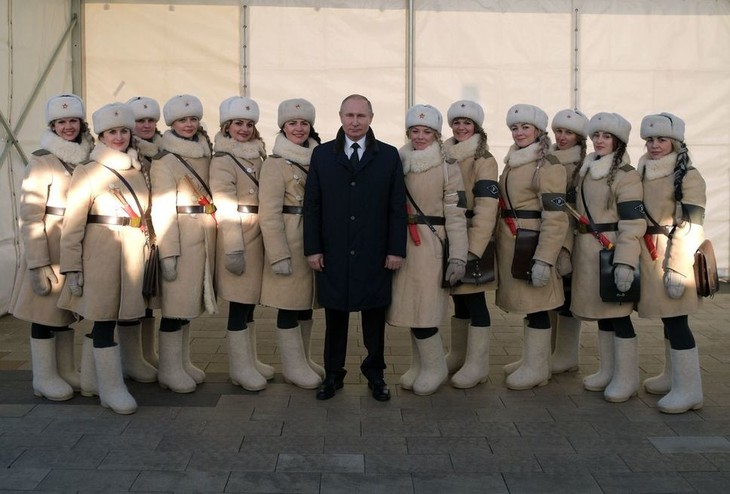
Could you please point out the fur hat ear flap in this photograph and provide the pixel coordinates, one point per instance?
(181, 106)
(523, 113)
(610, 122)
(112, 116)
(662, 125)
(466, 109)
(571, 120)
(64, 106)
(292, 109)
(237, 107)
(425, 115)
(144, 107)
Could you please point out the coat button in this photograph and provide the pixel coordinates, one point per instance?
(352, 218)
(251, 191)
(352, 183)
(352, 252)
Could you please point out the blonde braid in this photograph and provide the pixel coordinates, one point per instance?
(207, 138)
(545, 144)
(482, 148)
(617, 159)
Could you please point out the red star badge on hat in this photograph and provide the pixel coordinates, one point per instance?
(422, 116)
(65, 105)
(144, 106)
(463, 105)
(248, 108)
(299, 106)
(187, 104)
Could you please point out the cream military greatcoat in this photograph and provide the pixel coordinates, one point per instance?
(190, 237)
(526, 187)
(620, 204)
(236, 195)
(437, 188)
(42, 206)
(282, 186)
(482, 192)
(677, 254)
(111, 257)
(570, 159)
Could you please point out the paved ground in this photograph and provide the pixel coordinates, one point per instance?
(558, 438)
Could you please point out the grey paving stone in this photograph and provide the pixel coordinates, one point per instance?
(372, 427)
(181, 481)
(116, 442)
(92, 480)
(633, 429)
(274, 483)
(513, 414)
(338, 483)
(381, 464)
(343, 463)
(94, 425)
(14, 410)
(24, 424)
(649, 483)
(381, 413)
(8, 456)
(701, 428)
(598, 411)
(441, 413)
(463, 483)
(658, 462)
(446, 445)
(146, 460)
(469, 428)
(69, 410)
(225, 461)
(288, 444)
(533, 445)
(253, 427)
(555, 429)
(611, 444)
(691, 444)
(154, 426)
(26, 479)
(284, 413)
(574, 462)
(495, 463)
(266, 400)
(708, 482)
(365, 445)
(38, 440)
(319, 427)
(200, 442)
(546, 483)
(59, 458)
(721, 461)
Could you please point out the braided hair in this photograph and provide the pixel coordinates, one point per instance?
(544, 141)
(202, 131)
(582, 142)
(618, 157)
(482, 148)
(680, 168)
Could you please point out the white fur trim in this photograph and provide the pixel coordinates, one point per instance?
(248, 150)
(419, 161)
(147, 148)
(293, 152)
(517, 156)
(115, 159)
(461, 150)
(653, 169)
(600, 167)
(67, 151)
(185, 147)
(565, 156)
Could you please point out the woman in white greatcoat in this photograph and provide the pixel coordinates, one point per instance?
(674, 198)
(64, 145)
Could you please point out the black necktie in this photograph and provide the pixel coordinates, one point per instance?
(354, 158)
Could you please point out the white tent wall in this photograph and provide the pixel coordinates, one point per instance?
(29, 35)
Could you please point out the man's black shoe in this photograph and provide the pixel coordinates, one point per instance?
(328, 388)
(380, 390)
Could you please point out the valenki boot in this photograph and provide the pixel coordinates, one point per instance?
(134, 364)
(47, 383)
(306, 341)
(625, 382)
(242, 368)
(661, 384)
(513, 366)
(686, 392)
(113, 392)
(567, 345)
(294, 364)
(197, 374)
(149, 336)
(535, 368)
(433, 371)
(599, 380)
(457, 351)
(476, 366)
(89, 386)
(65, 359)
(264, 369)
(171, 374)
(407, 379)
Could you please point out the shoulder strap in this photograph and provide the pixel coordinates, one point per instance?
(243, 168)
(424, 218)
(192, 170)
(306, 172)
(129, 187)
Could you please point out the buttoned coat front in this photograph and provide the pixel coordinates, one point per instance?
(355, 217)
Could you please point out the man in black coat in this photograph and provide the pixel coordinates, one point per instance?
(354, 238)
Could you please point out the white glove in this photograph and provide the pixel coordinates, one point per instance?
(455, 271)
(169, 268)
(75, 281)
(41, 279)
(673, 283)
(623, 276)
(540, 273)
(564, 265)
(235, 263)
(282, 267)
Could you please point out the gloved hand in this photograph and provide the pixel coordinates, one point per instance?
(282, 267)
(673, 283)
(540, 273)
(169, 268)
(75, 281)
(564, 265)
(623, 276)
(455, 271)
(235, 263)
(41, 279)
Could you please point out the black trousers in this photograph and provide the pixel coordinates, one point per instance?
(335, 342)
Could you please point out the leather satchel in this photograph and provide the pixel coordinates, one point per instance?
(608, 290)
(525, 247)
(481, 270)
(705, 267)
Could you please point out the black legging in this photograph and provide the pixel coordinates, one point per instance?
(676, 330)
(424, 333)
(169, 325)
(538, 320)
(239, 315)
(622, 326)
(564, 310)
(103, 333)
(43, 332)
(472, 306)
(289, 319)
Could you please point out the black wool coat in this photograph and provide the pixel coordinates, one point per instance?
(355, 218)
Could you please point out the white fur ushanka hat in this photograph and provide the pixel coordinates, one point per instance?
(64, 106)
(610, 122)
(662, 125)
(111, 116)
(572, 120)
(292, 109)
(523, 113)
(144, 107)
(239, 107)
(466, 109)
(181, 106)
(426, 115)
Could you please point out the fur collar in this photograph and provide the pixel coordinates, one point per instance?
(521, 156)
(147, 148)
(67, 151)
(652, 169)
(460, 151)
(293, 152)
(420, 161)
(248, 150)
(115, 159)
(600, 166)
(185, 147)
(566, 156)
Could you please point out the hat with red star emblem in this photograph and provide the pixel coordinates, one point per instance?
(181, 106)
(292, 109)
(238, 107)
(612, 123)
(571, 120)
(529, 114)
(144, 107)
(425, 115)
(64, 106)
(466, 109)
(662, 125)
(112, 116)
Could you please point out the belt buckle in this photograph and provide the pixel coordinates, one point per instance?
(209, 208)
(135, 222)
(582, 228)
(412, 219)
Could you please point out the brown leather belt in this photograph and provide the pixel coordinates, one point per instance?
(599, 227)
(414, 219)
(207, 209)
(248, 209)
(55, 211)
(525, 214)
(292, 210)
(114, 220)
(658, 230)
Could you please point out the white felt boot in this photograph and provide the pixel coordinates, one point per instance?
(625, 382)
(134, 364)
(241, 364)
(171, 373)
(306, 341)
(686, 392)
(457, 350)
(476, 366)
(294, 365)
(47, 382)
(599, 380)
(197, 374)
(149, 343)
(113, 392)
(65, 359)
(433, 371)
(661, 384)
(264, 369)
(89, 386)
(567, 345)
(406, 380)
(535, 368)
